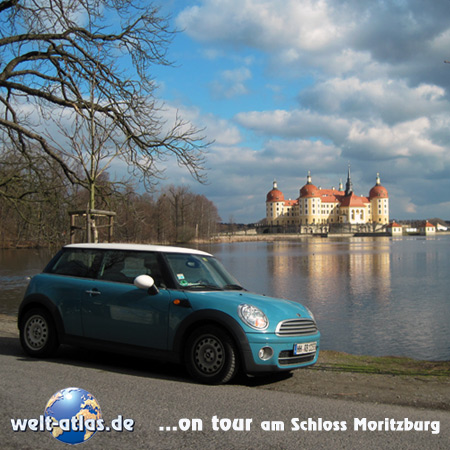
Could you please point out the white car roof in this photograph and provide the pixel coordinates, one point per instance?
(140, 247)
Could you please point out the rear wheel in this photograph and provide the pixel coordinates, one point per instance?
(211, 356)
(38, 333)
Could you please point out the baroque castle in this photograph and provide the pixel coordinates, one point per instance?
(318, 207)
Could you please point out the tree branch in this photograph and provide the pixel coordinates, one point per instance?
(7, 4)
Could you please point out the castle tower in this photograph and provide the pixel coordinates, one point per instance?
(379, 201)
(274, 204)
(349, 184)
(309, 202)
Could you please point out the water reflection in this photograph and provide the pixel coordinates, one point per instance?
(373, 296)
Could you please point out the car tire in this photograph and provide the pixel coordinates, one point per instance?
(211, 356)
(38, 333)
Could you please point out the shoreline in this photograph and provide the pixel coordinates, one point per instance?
(253, 237)
(232, 238)
(390, 380)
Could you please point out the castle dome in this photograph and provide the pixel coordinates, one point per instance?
(309, 190)
(275, 195)
(378, 190)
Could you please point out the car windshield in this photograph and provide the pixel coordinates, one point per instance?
(200, 272)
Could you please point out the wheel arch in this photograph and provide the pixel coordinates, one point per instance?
(213, 318)
(41, 301)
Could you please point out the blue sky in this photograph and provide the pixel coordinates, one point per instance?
(287, 86)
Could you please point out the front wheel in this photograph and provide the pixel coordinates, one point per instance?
(211, 356)
(38, 333)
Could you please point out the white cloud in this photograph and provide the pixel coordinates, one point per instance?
(404, 38)
(296, 123)
(232, 83)
(390, 100)
(263, 23)
(407, 140)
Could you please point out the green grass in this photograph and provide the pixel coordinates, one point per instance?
(387, 365)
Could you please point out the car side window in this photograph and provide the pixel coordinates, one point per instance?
(113, 268)
(77, 263)
(124, 267)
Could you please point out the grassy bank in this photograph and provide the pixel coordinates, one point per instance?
(381, 365)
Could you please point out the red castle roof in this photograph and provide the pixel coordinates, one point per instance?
(346, 199)
(378, 191)
(275, 196)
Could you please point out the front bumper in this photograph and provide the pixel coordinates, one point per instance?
(283, 358)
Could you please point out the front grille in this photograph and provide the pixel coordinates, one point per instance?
(296, 327)
(287, 357)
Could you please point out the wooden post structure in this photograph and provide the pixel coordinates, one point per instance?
(87, 218)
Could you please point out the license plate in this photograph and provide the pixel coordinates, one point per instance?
(308, 347)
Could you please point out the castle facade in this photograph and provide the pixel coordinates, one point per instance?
(316, 206)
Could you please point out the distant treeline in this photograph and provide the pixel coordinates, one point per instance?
(40, 217)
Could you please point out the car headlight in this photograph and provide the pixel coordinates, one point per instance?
(310, 313)
(253, 316)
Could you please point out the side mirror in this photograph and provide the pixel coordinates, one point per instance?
(146, 282)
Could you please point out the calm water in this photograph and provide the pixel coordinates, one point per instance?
(376, 296)
(371, 296)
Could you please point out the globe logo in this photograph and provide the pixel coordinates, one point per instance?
(74, 413)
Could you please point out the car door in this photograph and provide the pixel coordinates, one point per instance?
(66, 281)
(115, 310)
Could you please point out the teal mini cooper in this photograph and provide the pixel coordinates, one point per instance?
(167, 303)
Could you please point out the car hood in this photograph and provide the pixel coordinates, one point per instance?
(276, 309)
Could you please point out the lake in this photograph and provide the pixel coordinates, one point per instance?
(375, 296)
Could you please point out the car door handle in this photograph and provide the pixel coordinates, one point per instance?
(93, 292)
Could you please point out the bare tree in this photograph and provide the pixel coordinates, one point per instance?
(84, 67)
(183, 215)
(34, 198)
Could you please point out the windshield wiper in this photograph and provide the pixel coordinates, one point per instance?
(234, 287)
